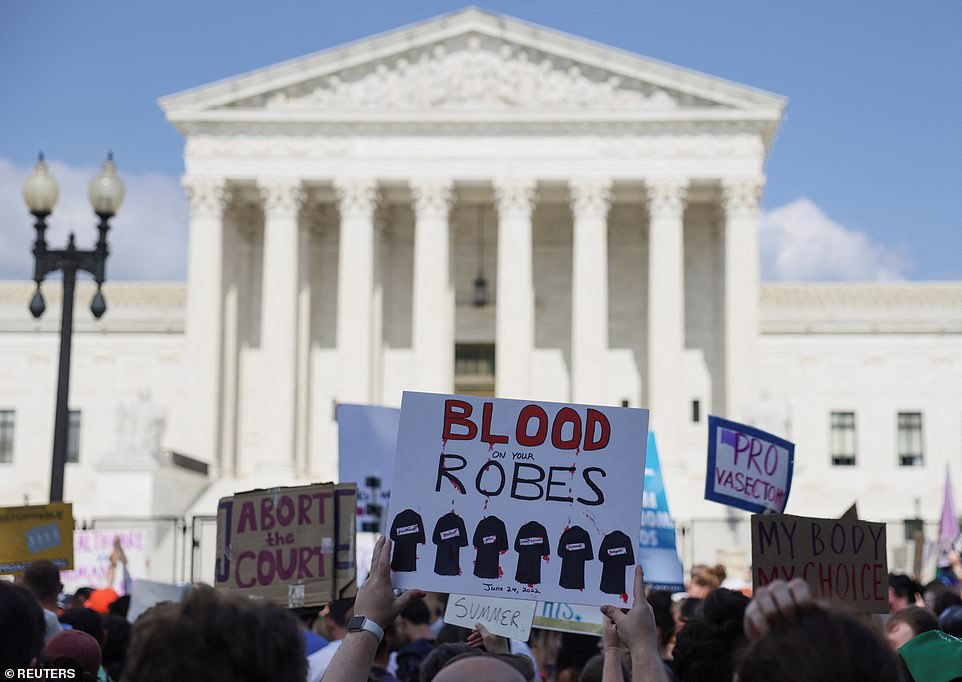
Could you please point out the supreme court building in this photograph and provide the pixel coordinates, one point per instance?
(478, 204)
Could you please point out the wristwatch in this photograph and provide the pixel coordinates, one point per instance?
(365, 624)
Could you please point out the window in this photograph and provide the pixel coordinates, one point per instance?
(6, 436)
(474, 369)
(695, 411)
(910, 439)
(73, 436)
(843, 439)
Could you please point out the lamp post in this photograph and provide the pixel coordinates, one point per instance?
(40, 191)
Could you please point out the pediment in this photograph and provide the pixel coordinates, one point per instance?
(470, 61)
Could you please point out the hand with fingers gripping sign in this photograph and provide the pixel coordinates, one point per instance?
(375, 602)
(636, 630)
(777, 601)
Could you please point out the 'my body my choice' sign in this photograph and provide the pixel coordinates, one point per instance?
(517, 499)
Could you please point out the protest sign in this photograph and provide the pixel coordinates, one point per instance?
(748, 468)
(278, 544)
(345, 534)
(366, 443)
(841, 560)
(91, 558)
(147, 593)
(509, 618)
(564, 617)
(36, 533)
(509, 498)
(657, 552)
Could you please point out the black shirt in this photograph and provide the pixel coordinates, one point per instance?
(406, 532)
(490, 539)
(450, 537)
(574, 548)
(531, 544)
(616, 553)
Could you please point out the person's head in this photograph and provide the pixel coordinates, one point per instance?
(575, 650)
(120, 606)
(414, 622)
(902, 591)
(594, 669)
(101, 600)
(22, 627)
(950, 621)
(907, 623)
(477, 666)
(704, 579)
(85, 620)
(74, 646)
(931, 593)
(707, 646)
(43, 579)
(218, 638)
(115, 646)
(436, 603)
(660, 602)
(338, 613)
(684, 610)
(80, 596)
(439, 656)
(819, 645)
(452, 634)
(944, 601)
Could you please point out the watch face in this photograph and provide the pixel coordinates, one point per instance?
(356, 623)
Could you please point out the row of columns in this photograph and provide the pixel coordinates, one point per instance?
(284, 304)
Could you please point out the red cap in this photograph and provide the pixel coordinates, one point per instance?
(100, 600)
(77, 645)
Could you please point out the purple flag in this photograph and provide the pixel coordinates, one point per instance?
(949, 525)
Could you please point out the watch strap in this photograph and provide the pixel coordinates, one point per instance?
(359, 623)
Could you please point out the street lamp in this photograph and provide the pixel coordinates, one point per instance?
(40, 191)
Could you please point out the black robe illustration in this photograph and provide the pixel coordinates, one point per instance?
(615, 554)
(574, 548)
(407, 532)
(531, 544)
(450, 537)
(490, 539)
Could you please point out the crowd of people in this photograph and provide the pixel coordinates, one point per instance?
(712, 634)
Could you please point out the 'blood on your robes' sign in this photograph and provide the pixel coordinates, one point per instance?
(517, 499)
(748, 468)
(842, 561)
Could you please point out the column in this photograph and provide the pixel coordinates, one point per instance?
(195, 421)
(590, 201)
(514, 317)
(282, 200)
(433, 305)
(666, 311)
(740, 199)
(357, 200)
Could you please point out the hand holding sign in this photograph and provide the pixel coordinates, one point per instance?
(376, 598)
(636, 627)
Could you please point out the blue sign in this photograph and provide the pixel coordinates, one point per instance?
(657, 550)
(366, 445)
(747, 467)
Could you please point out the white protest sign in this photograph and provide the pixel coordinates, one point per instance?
(748, 468)
(509, 618)
(91, 563)
(518, 499)
(147, 593)
(569, 618)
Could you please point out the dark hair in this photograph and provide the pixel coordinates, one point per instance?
(660, 602)
(594, 669)
(218, 638)
(950, 621)
(438, 657)
(819, 645)
(85, 620)
(576, 650)
(416, 612)
(452, 634)
(904, 587)
(43, 579)
(114, 649)
(945, 600)
(919, 619)
(709, 642)
(22, 626)
(338, 611)
(119, 606)
(689, 608)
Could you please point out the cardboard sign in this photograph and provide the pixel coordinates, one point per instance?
(91, 558)
(509, 618)
(748, 468)
(366, 443)
(657, 552)
(278, 544)
(569, 618)
(842, 561)
(36, 533)
(517, 499)
(147, 593)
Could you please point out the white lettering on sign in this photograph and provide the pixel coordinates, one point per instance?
(489, 539)
(407, 530)
(524, 542)
(575, 545)
(617, 551)
(448, 534)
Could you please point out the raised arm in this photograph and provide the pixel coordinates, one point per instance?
(636, 629)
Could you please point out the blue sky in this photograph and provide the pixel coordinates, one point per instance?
(867, 167)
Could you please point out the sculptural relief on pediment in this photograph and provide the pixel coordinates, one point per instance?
(473, 74)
